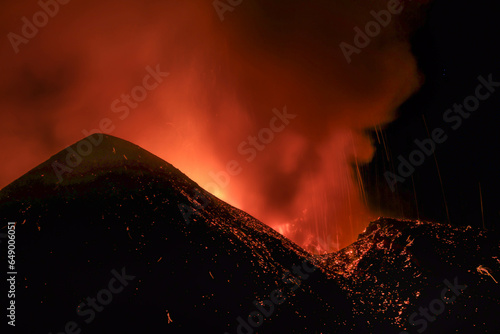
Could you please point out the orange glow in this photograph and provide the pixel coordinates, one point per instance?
(225, 79)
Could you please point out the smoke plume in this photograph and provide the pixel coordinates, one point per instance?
(227, 80)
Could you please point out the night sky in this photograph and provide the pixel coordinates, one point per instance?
(454, 47)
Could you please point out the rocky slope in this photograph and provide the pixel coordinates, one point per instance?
(121, 240)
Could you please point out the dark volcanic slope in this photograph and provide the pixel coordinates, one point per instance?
(194, 264)
(121, 208)
(398, 267)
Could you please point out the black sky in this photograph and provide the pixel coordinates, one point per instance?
(458, 42)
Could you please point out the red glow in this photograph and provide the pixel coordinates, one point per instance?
(225, 79)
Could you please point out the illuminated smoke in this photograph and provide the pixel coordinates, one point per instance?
(225, 80)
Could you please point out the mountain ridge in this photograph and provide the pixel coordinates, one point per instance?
(197, 257)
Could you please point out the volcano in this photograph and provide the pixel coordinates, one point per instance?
(110, 237)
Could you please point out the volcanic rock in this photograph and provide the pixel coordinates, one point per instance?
(125, 242)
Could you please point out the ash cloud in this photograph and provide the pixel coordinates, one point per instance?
(225, 79)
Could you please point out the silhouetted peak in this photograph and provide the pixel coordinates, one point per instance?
(90, 157)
